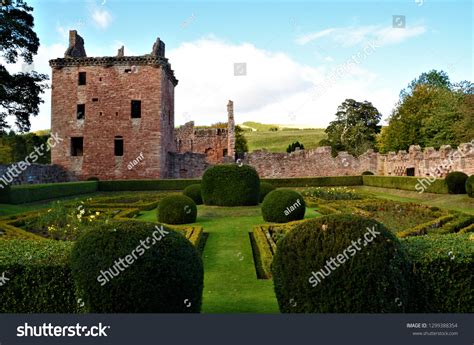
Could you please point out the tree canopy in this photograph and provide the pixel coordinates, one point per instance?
(355, 128)
(431, 112)
(19, 92)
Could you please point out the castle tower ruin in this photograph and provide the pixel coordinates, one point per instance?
(230, 130)
(111, 110)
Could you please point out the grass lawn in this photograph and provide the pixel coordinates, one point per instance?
(279, 141)
(230, 279)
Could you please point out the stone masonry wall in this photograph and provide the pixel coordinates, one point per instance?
(319, 162)
(35, 173)
(309, 163)
(111, 85)
(211, 142)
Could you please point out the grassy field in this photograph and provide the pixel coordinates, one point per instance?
(279, 141)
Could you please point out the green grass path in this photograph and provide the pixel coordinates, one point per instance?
(230, 279)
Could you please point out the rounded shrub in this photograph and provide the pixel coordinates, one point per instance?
(367, 173)
(470, 186)
(456, 182)
(230, 185)
(265, 188)
(324, 266)
(177, 209)
(93, 178)
(194, 192)
(137, 267)
(282, 206)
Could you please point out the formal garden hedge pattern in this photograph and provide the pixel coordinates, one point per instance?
(164, 270)
(36, 255)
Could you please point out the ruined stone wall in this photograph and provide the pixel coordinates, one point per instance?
(187, 165)
(429, 161)
(309, 163)
(212, 142)
(34, 174)
(319, 162)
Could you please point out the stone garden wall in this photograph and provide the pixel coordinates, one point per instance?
(35, 173)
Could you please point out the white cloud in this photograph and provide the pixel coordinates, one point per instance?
(351, 36)
(101, 17)
(276, 89)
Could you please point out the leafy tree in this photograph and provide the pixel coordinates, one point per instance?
(19, 94)
(240, 141)
(431, 112)
(432, 79)
(355, 128)
(292, 147)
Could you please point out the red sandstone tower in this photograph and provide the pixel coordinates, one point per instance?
(111, 110)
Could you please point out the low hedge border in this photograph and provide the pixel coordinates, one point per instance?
(322, 181)
(144, 185)
(40, 279)
(266, 245)
(35, 192)
(467, 229)
(423, 229)
(439, 186)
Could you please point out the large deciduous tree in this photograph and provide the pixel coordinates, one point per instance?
(355, 128)
(19, 92)
(431, 112)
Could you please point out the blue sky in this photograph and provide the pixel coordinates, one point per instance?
(290, 49)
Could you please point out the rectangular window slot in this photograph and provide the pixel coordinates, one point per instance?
(136, 109)
(82, 78)
(81, 111)
(118, 146)
(128, 70)
(77, 146)
(95, 99)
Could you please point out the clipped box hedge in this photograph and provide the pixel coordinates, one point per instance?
(444, 269)
(141, 185)
(40, 279)
(315, 181)
(35, 192)
(414, 184)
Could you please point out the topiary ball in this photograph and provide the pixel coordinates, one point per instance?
(282, 206)
(194, 192)
(324, 266)
(265, 188)
(137, 267)
(230, 185)
(456, 182)
(367, 173)
(177, 209)
(470, 186)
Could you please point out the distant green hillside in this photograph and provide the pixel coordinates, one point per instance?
(278, 141)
